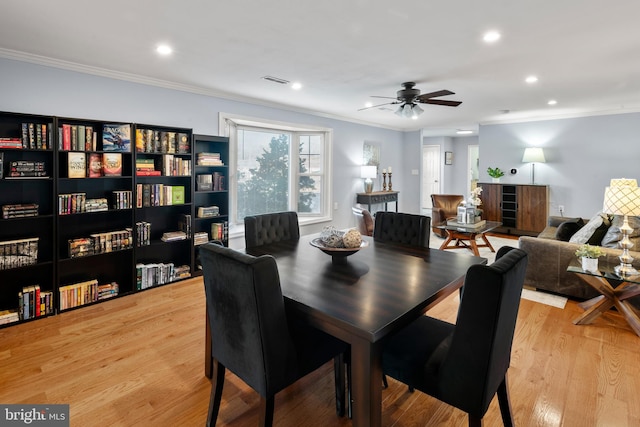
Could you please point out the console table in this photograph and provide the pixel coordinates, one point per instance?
(378, 197)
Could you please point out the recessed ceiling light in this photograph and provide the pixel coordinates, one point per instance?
(368, 105)
(531, 79)
(552, 102)
(296, 86)
(164, 49)
(491, 36)
(464, 132)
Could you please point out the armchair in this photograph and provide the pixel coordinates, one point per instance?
(445, 206)
(364, 221)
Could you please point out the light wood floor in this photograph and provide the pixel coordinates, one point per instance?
(138, 361)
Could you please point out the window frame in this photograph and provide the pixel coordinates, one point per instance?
(229, 124)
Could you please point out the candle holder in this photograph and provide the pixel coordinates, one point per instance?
(384, 181)
(390, 185)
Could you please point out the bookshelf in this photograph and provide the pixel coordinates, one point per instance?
(94, 199)
(163, 214)
(211, 194)
(27, 224)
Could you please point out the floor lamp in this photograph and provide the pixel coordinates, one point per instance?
(533, 155)
(622, 197)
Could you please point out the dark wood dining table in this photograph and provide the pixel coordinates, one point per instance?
(378, 291)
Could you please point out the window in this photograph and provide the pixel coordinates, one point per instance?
(278, 168)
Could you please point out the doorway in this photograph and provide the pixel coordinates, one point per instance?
(473, 157)
(430, 176)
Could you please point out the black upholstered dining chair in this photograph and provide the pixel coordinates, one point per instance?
(269, 228)
(402, 228)
(252, 335)
(466, 364)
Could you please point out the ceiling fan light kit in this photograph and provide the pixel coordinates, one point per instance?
(409, 98)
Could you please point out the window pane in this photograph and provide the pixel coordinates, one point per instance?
(311, 149)
(310, 194)
(263, 172)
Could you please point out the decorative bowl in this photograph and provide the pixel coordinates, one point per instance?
(338, 255)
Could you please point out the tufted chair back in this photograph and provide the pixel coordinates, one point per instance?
(269, 228)
(364, 221)
(402, 228)
(445, 206)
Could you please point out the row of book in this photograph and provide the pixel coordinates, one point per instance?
(35, 136)
(81, 293)
(168, 165)
(19, 210)
(32, 303)
(209, 159)
(210, 182)
(154, 141)
(149, 275)
(95, 165)
(27, 168)
(220, 231)
(77, 138)
(99, 243)
(18, 253)
(73, 203)
(148, 195)
(143, 233)
(184, 224)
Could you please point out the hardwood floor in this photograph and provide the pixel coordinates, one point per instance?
(138, 361)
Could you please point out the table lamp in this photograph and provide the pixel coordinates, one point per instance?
(368, 173)
(533, 155)
(622, 197)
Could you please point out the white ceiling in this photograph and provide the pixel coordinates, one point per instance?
(586, 53)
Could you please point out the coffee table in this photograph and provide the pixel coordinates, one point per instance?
(615, 291)
(465, 236)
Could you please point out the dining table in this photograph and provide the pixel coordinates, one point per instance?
(362, 300)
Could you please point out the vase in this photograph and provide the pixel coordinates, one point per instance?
(496, 180)
(590, 264)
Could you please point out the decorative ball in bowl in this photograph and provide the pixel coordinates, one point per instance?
(338, 244)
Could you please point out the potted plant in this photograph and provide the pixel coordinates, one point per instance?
(589, 256)
(495, 173)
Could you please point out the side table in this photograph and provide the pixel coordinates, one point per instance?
(604, 281)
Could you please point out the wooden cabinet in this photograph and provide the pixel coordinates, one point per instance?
(522, 209)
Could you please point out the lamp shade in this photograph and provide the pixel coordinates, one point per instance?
(622, 199)
(533, 155)
(368, 171)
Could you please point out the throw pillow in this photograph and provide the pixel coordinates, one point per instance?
(596, 225)
(614, 235)
(568, 228)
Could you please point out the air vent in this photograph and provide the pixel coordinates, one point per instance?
(276, 80)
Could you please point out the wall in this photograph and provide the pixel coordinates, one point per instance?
(582, 155)
(36, 89)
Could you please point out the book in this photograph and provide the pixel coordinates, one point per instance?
(77, 164)
(183, 143)
(95, 165)
(116, 137)
(112, 164)
(1, 165)
(177, 195)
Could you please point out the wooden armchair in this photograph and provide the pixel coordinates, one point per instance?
(445, 206)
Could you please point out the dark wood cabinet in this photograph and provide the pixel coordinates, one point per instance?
(522, 209)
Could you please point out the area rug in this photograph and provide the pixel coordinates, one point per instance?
(497, 243)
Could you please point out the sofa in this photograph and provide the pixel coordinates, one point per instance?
(554, 249)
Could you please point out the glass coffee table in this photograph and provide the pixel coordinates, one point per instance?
(464, 236)
(615, 290)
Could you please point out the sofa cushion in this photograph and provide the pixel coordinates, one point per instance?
(593, 231)
(614, 235)
(568, 228)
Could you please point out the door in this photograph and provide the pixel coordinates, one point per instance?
(430, 175)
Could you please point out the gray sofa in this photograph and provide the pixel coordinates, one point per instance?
(549, 258)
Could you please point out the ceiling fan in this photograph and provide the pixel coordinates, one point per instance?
(409, 98)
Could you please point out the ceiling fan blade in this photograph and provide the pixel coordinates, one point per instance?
(441, 102)
(379, 105)
(388, 97)
(435, 94)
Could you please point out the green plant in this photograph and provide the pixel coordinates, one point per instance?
(588, 251)
(495, 172)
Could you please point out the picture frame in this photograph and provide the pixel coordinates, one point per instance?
(448, 157)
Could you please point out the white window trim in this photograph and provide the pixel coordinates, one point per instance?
(223, 125)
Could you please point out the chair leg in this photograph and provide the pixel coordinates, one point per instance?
(266, 411)
(474, 421)
(385, 383)
(505, 405)
(217, 379)
(338, 370)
